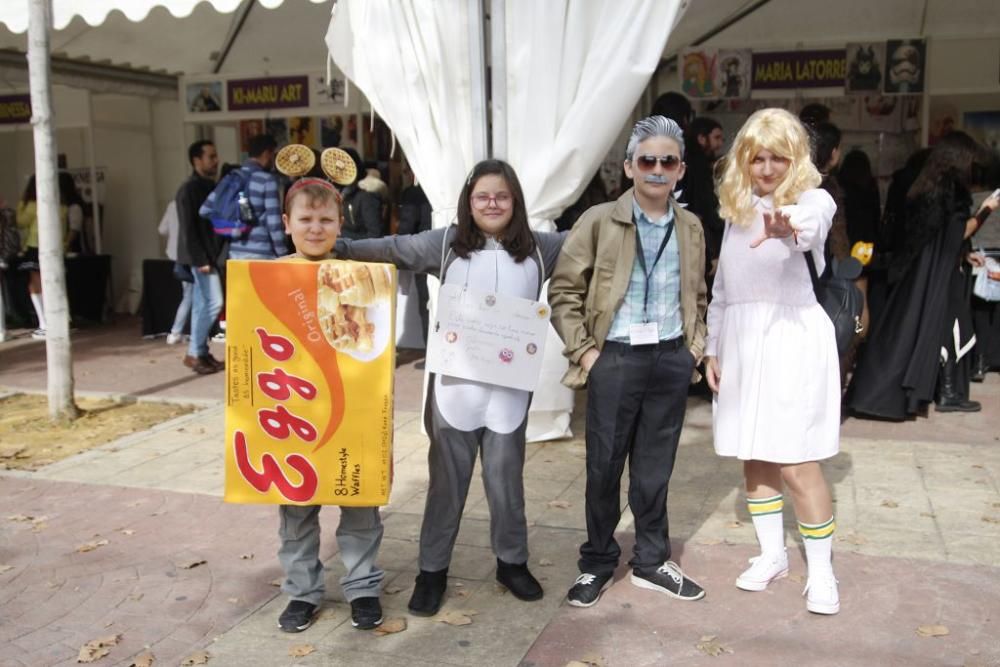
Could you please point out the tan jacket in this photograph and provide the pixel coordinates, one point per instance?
(592, 275)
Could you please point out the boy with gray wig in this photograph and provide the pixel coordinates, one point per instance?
(628, 300)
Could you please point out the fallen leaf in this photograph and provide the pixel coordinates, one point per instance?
(561, 504)
(135, 597)
(544, 562)
(199, 658)
(6, 568)
(976, 465)
(853, 538)
(90, 546)
(461, 593)
(143, 660)
(20, 517)
(39, 527)
(593, 660)
(996, 504)
(232, 600)
(709, 645)
(12, 452)
(929, 515)
(456, 617)
(390, 627)
(301, 650)
(277, 582)
(734, 524)
(891, 504)
(393, 590)
(932, 631)
(246, 556)
(709, 541)
(127, 531)
(96, 649)
(991, 519)
(190, 564)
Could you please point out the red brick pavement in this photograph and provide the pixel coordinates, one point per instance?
(55, 599)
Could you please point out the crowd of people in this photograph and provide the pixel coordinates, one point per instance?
(700, 268)
(648, 292)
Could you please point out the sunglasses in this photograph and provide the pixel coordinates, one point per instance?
(647, 162)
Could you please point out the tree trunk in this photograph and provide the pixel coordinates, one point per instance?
(59, 361)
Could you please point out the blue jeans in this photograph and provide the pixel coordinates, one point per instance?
(205, 307)
(184, 309)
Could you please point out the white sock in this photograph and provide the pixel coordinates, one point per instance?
(36, 301)
(818, 540)
(767, 522)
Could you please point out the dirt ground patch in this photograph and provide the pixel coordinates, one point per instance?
(28, 440)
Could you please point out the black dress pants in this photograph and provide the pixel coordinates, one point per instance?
(636, 400)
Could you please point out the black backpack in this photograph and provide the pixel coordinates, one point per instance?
(840, 298)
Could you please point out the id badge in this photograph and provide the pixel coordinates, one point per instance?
(644, 334)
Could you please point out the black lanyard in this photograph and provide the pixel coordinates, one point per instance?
(641, 256)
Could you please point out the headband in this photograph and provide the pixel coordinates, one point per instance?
(303, 182)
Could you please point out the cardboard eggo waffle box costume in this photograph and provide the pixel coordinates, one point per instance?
(310, 355)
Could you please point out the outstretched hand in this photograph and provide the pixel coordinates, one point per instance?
(777, 225)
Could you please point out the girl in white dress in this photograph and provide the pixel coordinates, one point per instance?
(771, 356)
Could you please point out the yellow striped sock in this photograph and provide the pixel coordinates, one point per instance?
(762, 506)
(817, 531)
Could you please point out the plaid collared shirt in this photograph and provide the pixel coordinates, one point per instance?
(664, 305)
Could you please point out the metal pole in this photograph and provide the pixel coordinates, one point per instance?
(498, 72)
(477, 80)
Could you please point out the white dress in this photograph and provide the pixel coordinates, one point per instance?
(779, 396)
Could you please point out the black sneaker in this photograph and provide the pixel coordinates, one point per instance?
(669, 579)
(366, 613)
(587, 589)
(428, 594)
(519, 581)
(298, 616)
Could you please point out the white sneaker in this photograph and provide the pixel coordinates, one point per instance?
(821, 594)
(173, 339)
(763, 570)
(38, 334)
(219, 337)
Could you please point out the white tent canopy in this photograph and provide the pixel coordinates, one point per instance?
(178, 36)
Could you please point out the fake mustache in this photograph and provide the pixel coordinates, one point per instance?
(659, 179)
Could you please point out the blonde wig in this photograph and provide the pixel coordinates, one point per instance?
(781, 133)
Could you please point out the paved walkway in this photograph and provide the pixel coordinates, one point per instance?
(918, 512)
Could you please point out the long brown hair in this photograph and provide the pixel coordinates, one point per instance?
(516, 237)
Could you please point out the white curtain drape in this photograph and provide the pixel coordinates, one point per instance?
(411, 60)
(575, 71)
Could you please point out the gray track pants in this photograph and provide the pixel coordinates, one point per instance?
(451, 460)
(359, 535)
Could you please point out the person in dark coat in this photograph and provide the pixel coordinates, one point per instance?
(362, 209)
(924, 333)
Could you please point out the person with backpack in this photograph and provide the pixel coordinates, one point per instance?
(245, 206)
(771, 352)
(202, 250)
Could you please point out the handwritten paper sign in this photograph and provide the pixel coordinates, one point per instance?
(488, 337)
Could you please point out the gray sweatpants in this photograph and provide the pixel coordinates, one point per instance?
(359, 535)
(451, 460)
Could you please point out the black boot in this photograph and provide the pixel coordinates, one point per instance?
(428, 594)
(979, 368)
(519, 581)
(949, 400)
